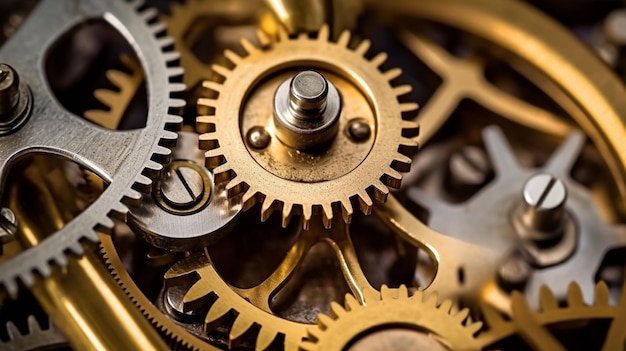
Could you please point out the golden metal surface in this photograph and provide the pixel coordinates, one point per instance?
(393, 308)
(231, 161)
(82, 299)
(117, 101)
(252, 305)
(533, 327)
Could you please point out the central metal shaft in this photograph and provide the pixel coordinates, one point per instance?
(306, 111)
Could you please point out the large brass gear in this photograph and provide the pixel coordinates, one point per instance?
(293, 181)
(537, 328)
(393, 308)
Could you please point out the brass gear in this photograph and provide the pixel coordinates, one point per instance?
(293, 181)
(393, 308)
(117, 101)
(536, 328)
(185, 23)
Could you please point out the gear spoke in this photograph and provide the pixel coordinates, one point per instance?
(502, 156)
(563, 159)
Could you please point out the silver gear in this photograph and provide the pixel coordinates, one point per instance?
(35, 339)
(126, 160)
(485, 218)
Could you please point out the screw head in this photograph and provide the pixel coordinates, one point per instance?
(8, 225)
(182, 187)
(9, 89)
(359, 129)
(514, 273)
(258, 137)
(544, 198)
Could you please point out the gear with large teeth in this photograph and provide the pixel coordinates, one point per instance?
(246, 150)
(36, 338)
(126, 160)
(394, 320)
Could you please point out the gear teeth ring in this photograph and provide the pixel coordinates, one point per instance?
(394, 307)
(231, 162)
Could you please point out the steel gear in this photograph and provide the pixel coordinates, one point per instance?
(126, 160)
(36, 338)
(117, 101)
(492, 218)
(295, 181)
(539, 330)
(430, 323)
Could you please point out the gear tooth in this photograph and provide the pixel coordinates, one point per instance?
(346, 210)
(211, 85)
(249, 199)
(324, 33)
(221, 70)
(602, 295)
(461, 317)
(264, 39)
(149, 14)
(198, 292)
(232, 56)
(33, 325)
(206, 124)
(106, 222)
(409, 107)
(408, 146)
(239, 328)
(351, 303)
(307, 213)
(27, 279)
(107, 97)
(303, 36)
(392, 74)
(287, 213)
(402, 163)
(216, 315)
(386, 293)
(393, 178)
(165, 42)
(314, 334)
(176, 103)
(547, 301)
(222, 172)
(61, 260)
(177, 88)
(131, 196)
(234, 186)
(410, 126)
(575, 295)
(365, 202)
(267, 208)
(337, 310)
(143, 184)
(44, 270)
(116, 77)
(308, 345)
(446, 306)
(248, 46)
(344, 38)
(403, 292)
(168, 136)
(264, 339)
(171, 57)
(402, 90)
(175, 72)
(174, 119)
(363, 46)
(324, 321)
(206, 102)
(158, 28)
(379, 59)
(327, 215)
(380, 191)
(12, 331)
(474, 327)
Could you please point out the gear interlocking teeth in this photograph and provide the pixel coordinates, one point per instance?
(263, 176)
(394, 308)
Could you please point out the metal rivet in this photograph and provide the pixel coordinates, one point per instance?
(359, 129)
(258, 137)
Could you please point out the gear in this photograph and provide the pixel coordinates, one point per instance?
(117, 101)
(35, 339)
(491, 218)
(292, 180)
(185, 17)
(422, 317)
(126, 160)
(540, 330)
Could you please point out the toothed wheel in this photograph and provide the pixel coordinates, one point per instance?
(126, 160)
(288, 163)
(393, 321)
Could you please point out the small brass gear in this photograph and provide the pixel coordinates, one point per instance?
(117, 101)
(544, 329)
(430, 323)
(294, 181)
(188, 20)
